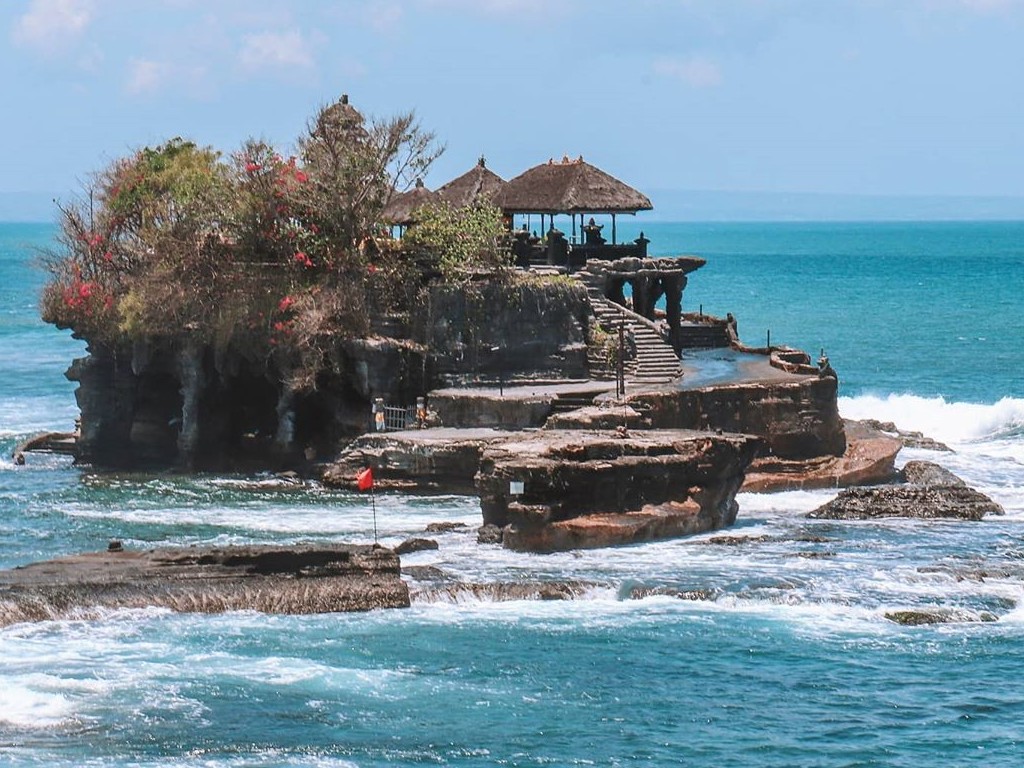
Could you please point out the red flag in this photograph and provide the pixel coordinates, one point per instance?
(364, 480)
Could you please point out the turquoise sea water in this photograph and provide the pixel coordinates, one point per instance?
(792, 662)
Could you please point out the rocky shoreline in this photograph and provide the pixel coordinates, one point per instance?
(271, 579)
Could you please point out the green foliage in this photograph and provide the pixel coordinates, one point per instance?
(267, 255)
(459, 241)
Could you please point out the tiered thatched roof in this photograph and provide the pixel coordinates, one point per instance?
(569, 186)
(343, 115)
(477, 184)
(403, 204)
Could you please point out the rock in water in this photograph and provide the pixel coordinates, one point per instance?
(415, 545)
(926, 502)
(272, 579)
(927, 473)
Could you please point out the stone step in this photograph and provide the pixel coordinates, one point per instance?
(655, 359)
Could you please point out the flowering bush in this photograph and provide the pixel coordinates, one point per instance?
(270, 256)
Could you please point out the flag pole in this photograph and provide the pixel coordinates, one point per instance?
(373, 506)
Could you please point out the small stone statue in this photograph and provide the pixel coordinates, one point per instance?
(825, 369)
(592, 233)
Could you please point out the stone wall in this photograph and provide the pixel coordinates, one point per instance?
(506, 329)
(797, 419)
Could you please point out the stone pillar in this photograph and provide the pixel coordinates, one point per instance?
(642, 295)
(192, 380)
(674, 283)
(613, 289)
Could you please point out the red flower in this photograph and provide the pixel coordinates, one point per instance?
(301, 177)
(251, 167)
(287, 301)
(371, 268)
(303, 259)
(278, 326)
(108, 256)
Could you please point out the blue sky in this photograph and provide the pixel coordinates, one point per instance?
(849, 98)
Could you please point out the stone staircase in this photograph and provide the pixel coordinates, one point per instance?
(655, 361)
(703, 336)
(566, 403)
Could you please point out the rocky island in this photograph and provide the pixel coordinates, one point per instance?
(259, 311)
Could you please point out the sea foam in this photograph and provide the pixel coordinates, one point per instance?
(952, 422)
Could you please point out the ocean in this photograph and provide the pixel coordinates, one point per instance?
(790, 662)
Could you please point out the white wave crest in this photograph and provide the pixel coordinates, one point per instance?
(24, 707)
(950, 422)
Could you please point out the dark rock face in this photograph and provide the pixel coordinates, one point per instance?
(496, 330)
(165, 405)
(298, 579)
(925, 502)
(797, 419)
(176, 402)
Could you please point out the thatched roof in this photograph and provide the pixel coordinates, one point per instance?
(478, 183)
(569, 186)
(343, 115)
(402, 205)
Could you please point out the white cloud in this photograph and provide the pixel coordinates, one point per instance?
(695, 71)
(145, 76)
(50, 24)
(383, 17)
(275, 50)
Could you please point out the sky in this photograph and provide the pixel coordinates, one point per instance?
(788, 105)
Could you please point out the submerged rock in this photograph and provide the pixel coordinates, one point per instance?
(639, 593)
(446, 527)
(917, 618)
(506, 591)
(272, 579)
(735, 541)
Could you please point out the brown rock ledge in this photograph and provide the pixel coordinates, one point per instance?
(581, 488)
(273, 579)
(869, 458)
